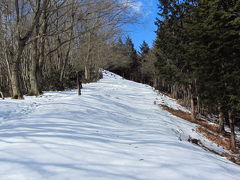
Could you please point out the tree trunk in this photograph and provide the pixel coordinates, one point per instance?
(43, 31)
(16, 73)
(193, 108)
(1, 95)
(193, 101)
(86, 72)
(87, 58)
(21, 44)
(34, 87)
(41, 61)
(155, 82)
(233, 136)
(65, 62)
(198, 104)
(221, 119)
(16, 92)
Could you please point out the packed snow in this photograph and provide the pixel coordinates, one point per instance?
(114, 130)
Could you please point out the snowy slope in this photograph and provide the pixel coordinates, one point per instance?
(113, 131)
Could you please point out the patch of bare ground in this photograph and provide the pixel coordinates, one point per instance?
(188, 117)
(211, 132)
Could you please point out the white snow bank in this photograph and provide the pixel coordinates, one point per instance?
(162, 99)
(112, 131)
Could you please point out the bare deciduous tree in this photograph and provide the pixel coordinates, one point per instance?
(44, 42)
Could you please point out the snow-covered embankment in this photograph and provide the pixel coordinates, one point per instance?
(113, 131)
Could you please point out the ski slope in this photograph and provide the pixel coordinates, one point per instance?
(113, 131)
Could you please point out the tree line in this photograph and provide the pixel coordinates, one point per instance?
(198, 56)
(195, 57)
(43, 43)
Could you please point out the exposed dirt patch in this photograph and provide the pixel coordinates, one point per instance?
(211, 132)
(187, 116)
(215, 137)
(235, 158)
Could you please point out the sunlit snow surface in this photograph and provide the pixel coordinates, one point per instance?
(114, 131)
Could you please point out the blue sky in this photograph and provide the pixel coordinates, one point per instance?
(145, 29)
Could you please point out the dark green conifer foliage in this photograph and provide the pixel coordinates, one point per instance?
(198, 44)
(144, 48)
(134, 59)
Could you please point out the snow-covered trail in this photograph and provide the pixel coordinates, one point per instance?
(113, 131)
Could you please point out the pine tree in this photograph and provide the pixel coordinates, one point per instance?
(198, 54)
(174, 63)
(144, 48)
(135, 63)
(223, 24)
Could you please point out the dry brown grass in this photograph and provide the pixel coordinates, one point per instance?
(210, 131)
(215, 137)
(188, 117)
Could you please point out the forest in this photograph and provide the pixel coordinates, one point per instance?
(44, 43)
(198, 56)
(195, 57)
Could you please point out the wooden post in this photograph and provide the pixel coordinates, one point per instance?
(79, 82)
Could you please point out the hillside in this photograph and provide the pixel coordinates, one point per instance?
(115, 130)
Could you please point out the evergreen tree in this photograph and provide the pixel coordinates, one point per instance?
(174, 64)
(198, 54)
(120, 63)
(129, 64)
(219, 25)
(135, 62)
(144, 48)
